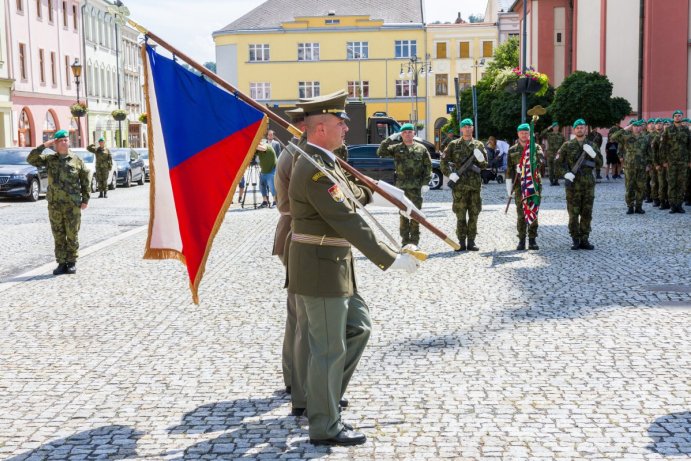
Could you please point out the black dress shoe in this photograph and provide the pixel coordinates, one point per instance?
(60, 269)
(297, 411)
(343, 403)
(344, 438)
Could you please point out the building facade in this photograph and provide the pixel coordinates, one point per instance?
(43, 39)
(133, 90)
(5, 82)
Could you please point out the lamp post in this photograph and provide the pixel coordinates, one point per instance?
(120, 13)
(416, 68)
(77, 72)
(478, 64)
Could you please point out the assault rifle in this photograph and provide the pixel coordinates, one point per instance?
(468, 164)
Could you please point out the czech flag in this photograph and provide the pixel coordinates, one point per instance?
(201, 139)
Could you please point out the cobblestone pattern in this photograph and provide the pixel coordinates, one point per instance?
(494, 355)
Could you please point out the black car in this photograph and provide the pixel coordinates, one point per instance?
(363, 157)
(130, 166)
(18, 178)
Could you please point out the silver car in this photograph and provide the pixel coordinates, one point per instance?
(90, 162)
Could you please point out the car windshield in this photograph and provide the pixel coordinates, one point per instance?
(13, 157)
(121, 156)
(87, 156)
(143, 154)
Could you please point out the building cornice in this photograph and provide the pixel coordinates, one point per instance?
(221, 33)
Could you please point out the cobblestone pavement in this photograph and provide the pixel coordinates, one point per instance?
(547, 355)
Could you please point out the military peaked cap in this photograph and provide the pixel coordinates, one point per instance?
(333, 104)
(296, 115)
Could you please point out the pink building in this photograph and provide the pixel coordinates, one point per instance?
(43, 40)
(647, 60)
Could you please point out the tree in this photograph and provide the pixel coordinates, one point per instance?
(476, 18)
(506, 113)
(211, 66)
(587, 95)
(505, 55)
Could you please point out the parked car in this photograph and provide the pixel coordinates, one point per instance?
(18, 178)
(364, 158)
(144, 155)
(90, 162)
(130, 166)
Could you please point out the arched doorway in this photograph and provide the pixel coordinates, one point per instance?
(438, 124)
(25, 135)
(50, 125)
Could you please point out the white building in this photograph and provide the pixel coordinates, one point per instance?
(5, 84)
(133, 95)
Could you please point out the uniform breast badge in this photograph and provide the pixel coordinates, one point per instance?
(336, 193)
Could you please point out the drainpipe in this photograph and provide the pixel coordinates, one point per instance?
(85, 73)
(641, 34)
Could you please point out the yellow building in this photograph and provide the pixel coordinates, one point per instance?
(457, 51)
(285, 50)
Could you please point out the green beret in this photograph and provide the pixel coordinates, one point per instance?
(466, 122)
(651, 120)
(101, 139)
(578, 122)
(407, 127)
(60, 134)
(677, 112)
(554, 124)
(523, 127)
(685, 120)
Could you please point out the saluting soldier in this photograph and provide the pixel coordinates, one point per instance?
(676, 144)
(68, 195)
(465, 187)
(104, 163)
(321, 272)
(637, 162)
(512, 167)
(554, 141)
(580, 188)
(659, 161)
(413, 167)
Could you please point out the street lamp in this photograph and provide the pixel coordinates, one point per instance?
(478, 63)
(416, 68)
(77, 72)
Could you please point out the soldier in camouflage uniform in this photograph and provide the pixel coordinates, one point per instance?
(413, 167)
(595, 139)
(104, 163)
(637, 162)
(653, 138)
(658, 163)
(580, 194)
(649, 131)
(512, 167)
(466, 186)
(688, 172)
(676, 144)
(554, 141)
(68, 195)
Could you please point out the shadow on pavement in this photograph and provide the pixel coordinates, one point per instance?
(671, 435)
(107, 443)
(221, 416)
(27, 278)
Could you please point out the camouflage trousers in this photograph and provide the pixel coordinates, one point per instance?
(688, 185)
(579, 204)
(521, 225)
(102, 180)
(662, 184)
(467, 205)
(676, 183)
(651, 182)
(65, 220)
(409, 228)
(554, 167)
(635, 180)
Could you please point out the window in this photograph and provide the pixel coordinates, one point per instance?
(358, 89)
(53, 69)
(487, 49)
(441, 50)
(50, 10)
(38, 9)
(22, 60)
(20, 6)
(64, 15)
(42, 65)
(308, 89)
(357, 50)
(74, 17)
(308, 51)
(332, 21)
(259, 53)
(405, 88)
(464, 50)
(405, 48)
(558, 37)
(464, 81)
(441, 84)
(261, 90)
(68, 72)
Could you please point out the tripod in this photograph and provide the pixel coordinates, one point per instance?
(251, 180)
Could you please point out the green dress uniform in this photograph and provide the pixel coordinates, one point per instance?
(512, 164)
(466, 192)
(554, 141)
(581, 194)
(637, 161)
(321, 274)
(68, 189)
(413, 167)
(676, 144)
(104, 163)
(342, 152)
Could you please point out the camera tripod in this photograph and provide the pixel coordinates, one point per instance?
(251, 180)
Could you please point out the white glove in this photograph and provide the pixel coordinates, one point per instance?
(405, 262)
(454, 177)
(589, 150)
(378, 200)
(569, 176)
(478, 155)
(425, 189)
(509, 187)
(395, 137)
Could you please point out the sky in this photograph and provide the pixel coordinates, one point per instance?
(188, 25)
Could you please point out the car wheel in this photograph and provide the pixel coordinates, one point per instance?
(35, 191)
(114, 182)
(141, 179)
(128, 179)
(437, 180)
(94, 184)
(500, 179)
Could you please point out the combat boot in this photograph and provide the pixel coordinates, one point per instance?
(648, 199)
(585, 245)
(576, 244)
(665, 205)
(70, 268)
(461, 246)
(673, 209)
(656, 202)
(100, 195)
(630, 210)
(521, 245)
(60, 269)
(105, 194)
(639, 209)
(471, 245)
(680, 209)
(532, 244)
